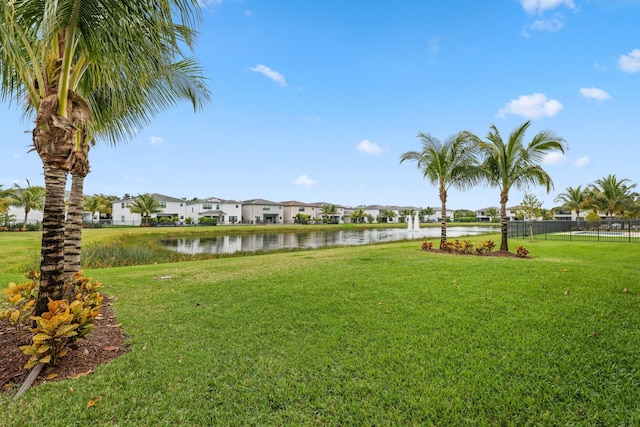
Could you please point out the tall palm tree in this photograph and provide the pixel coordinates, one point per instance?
(446, 164)
(29, 198)
(612, 195)
(145, 205)
(87, 69)
(511, 163)
(573, 199)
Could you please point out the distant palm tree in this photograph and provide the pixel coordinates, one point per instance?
(573, 199)
(29, 198)
(93, 204)
(358, 216)
(427, 212)
(145, 205)
(407, 213)
(445, 164)
(514, 164)
(6, 196)
(328, 212)
(387, 215)
(612, 195)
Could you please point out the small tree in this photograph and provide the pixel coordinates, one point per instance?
(530, 211)
(492, 213)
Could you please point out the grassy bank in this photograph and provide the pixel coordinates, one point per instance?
(370, 335)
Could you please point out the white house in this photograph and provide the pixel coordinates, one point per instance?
(261, 211)
(483, 216)
(224, 211)
(169, 207)
(17, 215)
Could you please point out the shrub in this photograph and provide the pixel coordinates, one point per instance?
(486, 247)
(521, 251)
(21, 300)
(61, 325)
(426, 246)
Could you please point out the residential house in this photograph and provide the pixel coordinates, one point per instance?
(338, 218)
(294, 212)
(483, 216)
(170, 207)
(261, 211)
(223, 211)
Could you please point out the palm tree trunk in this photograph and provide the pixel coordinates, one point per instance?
(26, 216)
(578, 219)
(73, 227)
(504, 245)
(52, 253)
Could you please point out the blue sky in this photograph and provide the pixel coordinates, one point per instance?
(316, 100)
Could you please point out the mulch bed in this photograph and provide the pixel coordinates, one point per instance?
(104, 343)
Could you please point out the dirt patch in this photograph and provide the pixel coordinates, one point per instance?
(104, 343)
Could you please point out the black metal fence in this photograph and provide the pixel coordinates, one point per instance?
(590, 231)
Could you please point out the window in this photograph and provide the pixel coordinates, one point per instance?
(217, 207)
(301, 209)
(266, 208)
(122, 205)
(162, 205)
(233, 219)
(207, 206)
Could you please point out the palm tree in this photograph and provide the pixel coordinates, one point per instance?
(514, 164)
(406, 213)
(445, 164)
(427, 212)
(93, 204)
(328, 212)
(145, 205)
(612, 195)
(6, 196)
(29, 198)
(358, 216)
(573, 199)
(63, 61)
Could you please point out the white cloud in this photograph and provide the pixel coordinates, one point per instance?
(594, 93)
(531, 107)
(583, 162)
(550, 25)
(554, 158)
(155, 140)
(305, 180)
(630, 63)
(272, 74)
(539, 6)
(369, 147)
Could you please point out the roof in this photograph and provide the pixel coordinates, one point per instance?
(259, 202)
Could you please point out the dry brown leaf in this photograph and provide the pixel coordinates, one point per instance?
(115, 326)
(51, 376)
(93, 401)
(111, 348)
(81, 374)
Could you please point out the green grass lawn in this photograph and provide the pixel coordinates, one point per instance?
(367, 335)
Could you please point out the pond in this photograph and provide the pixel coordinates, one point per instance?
(227, 244)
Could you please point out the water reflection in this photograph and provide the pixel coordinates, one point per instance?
(309, 240)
